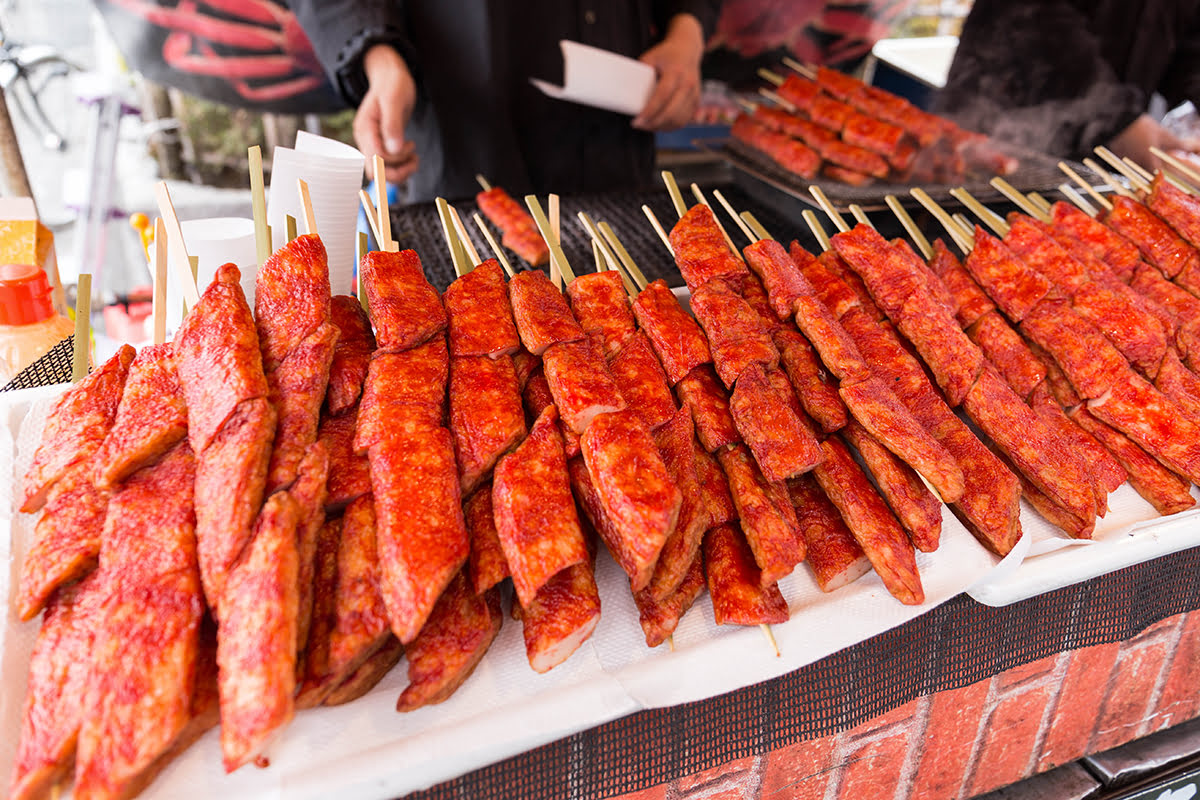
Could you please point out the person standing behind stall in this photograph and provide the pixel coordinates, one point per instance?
(442, 88)
(1063, 76)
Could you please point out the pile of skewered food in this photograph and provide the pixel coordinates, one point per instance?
(830, 123)
(268, 513)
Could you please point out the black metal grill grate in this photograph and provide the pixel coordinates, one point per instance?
(418, 227)
(1037, 172)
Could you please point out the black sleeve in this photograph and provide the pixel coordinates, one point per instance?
(341, 31)
(706, 11)
(1181, 80)
(1031, 72)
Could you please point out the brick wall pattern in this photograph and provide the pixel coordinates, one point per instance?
(963, 742)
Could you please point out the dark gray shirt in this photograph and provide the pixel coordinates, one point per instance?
(477, 111)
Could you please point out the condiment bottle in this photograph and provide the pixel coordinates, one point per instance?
(29, 325)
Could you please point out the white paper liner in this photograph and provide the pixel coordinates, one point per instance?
(1130, 533)
(366, 749)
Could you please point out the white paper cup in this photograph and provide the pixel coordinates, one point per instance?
(333, 172)
(214, 241)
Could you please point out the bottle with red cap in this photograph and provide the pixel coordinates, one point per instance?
(29, 325)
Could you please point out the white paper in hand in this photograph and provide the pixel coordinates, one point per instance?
(600, 78)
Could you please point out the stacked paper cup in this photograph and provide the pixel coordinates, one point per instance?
(214, 241)
(334, 173)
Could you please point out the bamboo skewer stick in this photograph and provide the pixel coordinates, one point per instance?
(1108, 177)
(773, 78)
(556, 251)
(159, 269)
(483, 182)
(627, 269)
(1076, 198)
(1189, 171)
(728, 241)
(990, 218)
(83, 327)
(1021, 201)
(464, 239)
(658, 228)
(183, 272)
(1039, 201)
(1120, 166)
(630, 269)
(626, 260)
(798, 68)
(593, 232)
(766, 629)
(673, 190)
(598, 256)
(555, 216)
(756, 227)
(838, 220)
(289, 226)
(944, 218)
(1086, 185)
(779, 100)
(745, 105)
(965, 226)
(359, 285)
(310, 216)
(258, 202)
(381, 206)
(741, 223)
(914, 233)
(372, 218)
(458, 255)
(1146, 174)
(1179, 166)
(857, 212)
(497, 251)
(818, 230)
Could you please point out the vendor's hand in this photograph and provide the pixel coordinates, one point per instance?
(676, 60)
(383, 114)
(1145, 132)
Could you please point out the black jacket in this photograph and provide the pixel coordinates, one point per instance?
(476, 111)
(1063, 76)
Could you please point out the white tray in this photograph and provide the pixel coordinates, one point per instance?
(366, 749)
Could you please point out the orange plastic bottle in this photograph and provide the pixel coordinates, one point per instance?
(29, 325)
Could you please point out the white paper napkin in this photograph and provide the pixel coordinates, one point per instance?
(600, 78)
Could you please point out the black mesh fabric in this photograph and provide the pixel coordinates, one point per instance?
(954, 645)
(418, 227)
(54, 367)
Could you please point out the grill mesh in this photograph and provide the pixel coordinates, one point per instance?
(418, 227)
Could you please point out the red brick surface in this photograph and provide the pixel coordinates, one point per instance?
(736, 770)
(653, 793)
(1012, 734)
(873, 769)
(966, 742)
(731, 790)
(1128, 703)
(1180, 697)
(954, 722)
(1027, 672)
(798, 772)
(899, 714)
(1078, 705)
